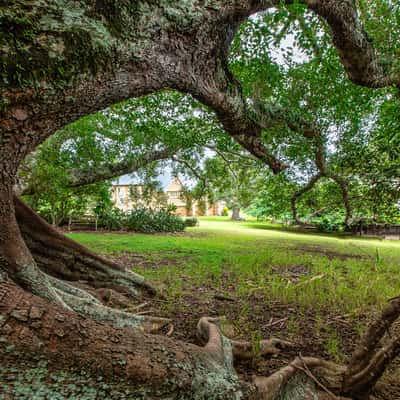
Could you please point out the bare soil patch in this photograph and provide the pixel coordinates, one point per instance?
(330, 254)
(151, 260)
(292, 273)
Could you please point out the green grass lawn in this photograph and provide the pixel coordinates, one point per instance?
(350, 273)
(324, 287)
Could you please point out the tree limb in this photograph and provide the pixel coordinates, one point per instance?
(196, 173)
(306, 188)
(78, 178)
(355, 48)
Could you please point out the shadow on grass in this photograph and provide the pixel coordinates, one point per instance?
(266, 226)
(299, 230)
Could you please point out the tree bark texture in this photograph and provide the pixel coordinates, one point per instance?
(64, 60)
(235, 214)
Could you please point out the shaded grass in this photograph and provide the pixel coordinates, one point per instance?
(345, 274)
(318, 291)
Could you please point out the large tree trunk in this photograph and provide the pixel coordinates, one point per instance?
(145, 366)
(235, 214)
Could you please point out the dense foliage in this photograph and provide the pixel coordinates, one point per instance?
(192, 221)
(143, 220)
(324, 124)
(150, 221)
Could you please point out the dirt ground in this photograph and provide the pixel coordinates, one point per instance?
(332, 336)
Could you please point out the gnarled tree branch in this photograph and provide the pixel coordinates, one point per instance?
(355, 48)
(78, 178)
(103, 172)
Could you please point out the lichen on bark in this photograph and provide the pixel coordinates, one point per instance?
(51, 44)
(36, 380)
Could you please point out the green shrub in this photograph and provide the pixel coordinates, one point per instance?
(151, 221)
(225, 212)
(112, 220)
(331, 223)
(193, 221)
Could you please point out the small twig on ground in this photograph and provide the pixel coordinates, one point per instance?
(140, 306)
(223, 297)
(171, 330)
(339, 319)
(273, 323)
(143, 312)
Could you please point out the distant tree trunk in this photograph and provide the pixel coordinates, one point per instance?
(343, 184)
(235, 214)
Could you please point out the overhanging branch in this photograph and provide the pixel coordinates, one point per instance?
(78, 178)
(355, 48)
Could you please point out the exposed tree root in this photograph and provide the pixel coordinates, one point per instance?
(63, 258)
(241, 349)
(277, 386)
(84, 303)
(312, 377)
(65, 289)
(36, 281)
(326, 380)
(175, 368)
(373, 354)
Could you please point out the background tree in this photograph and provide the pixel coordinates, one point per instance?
(233, 181)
